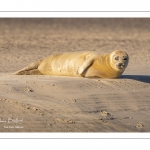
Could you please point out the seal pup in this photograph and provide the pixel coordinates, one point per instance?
(80, 64)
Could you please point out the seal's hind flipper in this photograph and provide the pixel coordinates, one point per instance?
(30, 69)
(29, 72)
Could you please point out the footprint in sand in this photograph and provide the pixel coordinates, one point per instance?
(139, 125)
(28, 90)
(104, 113)
(104, 121)
(64, 120)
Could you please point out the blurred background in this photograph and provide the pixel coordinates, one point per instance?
(24, 40)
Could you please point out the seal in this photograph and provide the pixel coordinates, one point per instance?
(80, 64)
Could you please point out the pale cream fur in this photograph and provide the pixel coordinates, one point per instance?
(80, 64)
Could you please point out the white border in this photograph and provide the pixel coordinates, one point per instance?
(58, 135)
(74, 14)
(78, 5)
(74, 5)
(78, 144)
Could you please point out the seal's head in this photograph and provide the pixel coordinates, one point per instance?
(119, 60)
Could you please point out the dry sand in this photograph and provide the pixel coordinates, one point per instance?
(69, 104)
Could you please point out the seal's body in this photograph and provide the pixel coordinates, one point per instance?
(80, 64)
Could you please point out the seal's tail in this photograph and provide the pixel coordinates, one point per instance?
(31, 69)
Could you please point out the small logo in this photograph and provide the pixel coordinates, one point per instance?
(12, 123)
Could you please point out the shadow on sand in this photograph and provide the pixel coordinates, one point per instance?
(142, 78)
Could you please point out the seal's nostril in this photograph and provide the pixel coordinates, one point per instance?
(120, 64)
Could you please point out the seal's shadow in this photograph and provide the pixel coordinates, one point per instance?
(142, 78)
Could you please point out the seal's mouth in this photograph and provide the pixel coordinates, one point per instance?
(120, 66)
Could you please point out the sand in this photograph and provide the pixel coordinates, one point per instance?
(72, 104)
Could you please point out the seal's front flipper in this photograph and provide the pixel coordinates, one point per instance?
(88, 62)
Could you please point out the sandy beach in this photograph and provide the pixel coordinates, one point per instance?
(71, 104)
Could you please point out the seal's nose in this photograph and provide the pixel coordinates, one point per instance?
(120, 65)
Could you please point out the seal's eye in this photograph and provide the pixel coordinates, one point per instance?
(117, 58)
